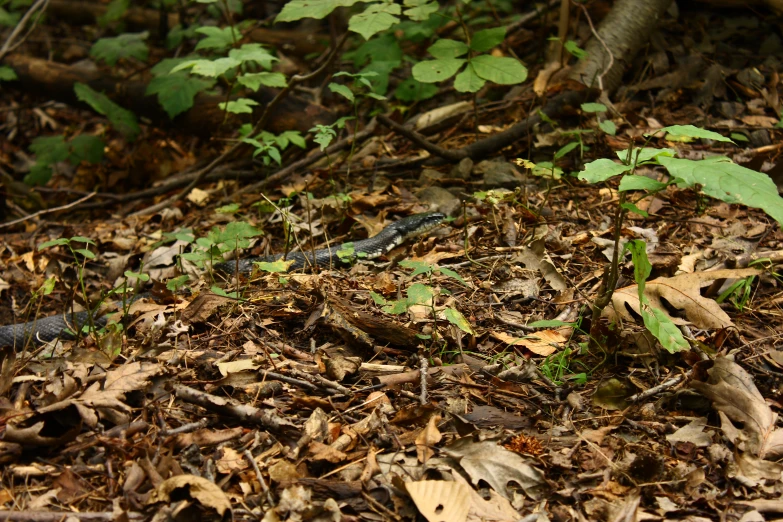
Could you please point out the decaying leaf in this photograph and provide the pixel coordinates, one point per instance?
(207, 493)
(735, 396)
(494, 464)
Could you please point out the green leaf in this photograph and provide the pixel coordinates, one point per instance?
(378, 299)
(176, 92)
(663, 329)
(211, 68)
(48, 286)
(9, 19)
(454, 316)
(412, 90)
(217, 38)
(445, 49)
(86, 148)
(128, 45)
(254, 81)
(641, 264)
(552, 323)
(565, 149)
(420, 10)
(418, 267)
(419, 294)
(396, 307)
(500, 70)
(7, 74)
(452, 274)
(54, 242)
(176, 283)
(298, 9)
(729, 182)
(468, 80)
(736, 136)
(275, 266)
(645, 154)
(630, 207)
(239, 106)
(231, 208)
(633, 182)
(375, 19)
(254, 52)
(690, 131)
(487, 39)
(114, 12)
(432, 71)
(84, 252)
(122, 120)
(572, 47)
(608, 127)
(343, 91)
(50, 149)
(222, 293)
(593, 107)
(601, 170)
(39, 174)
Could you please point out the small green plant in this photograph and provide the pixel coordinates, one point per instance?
(50, 150)
(270, 146)
(738, 294)
(426, 295)
(557, 368)
(716, 176)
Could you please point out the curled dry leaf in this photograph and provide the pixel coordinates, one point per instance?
(207, 493)
(681, 292)
(735, 396)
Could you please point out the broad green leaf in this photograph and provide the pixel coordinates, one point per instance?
(254, 52)
(411, 90)
(468, 80)
(7, 74)
(84, 252)
(222, 293)
(254, 81)
(736, 136)
(454, 316)
(601, 170)
(500, 70)
(217, 38)
(274, 266)
(231, 208)
(82, 239)
(572, 47)
(176, 283)
(9, 19)
(420, 294)
(48, 286)
(298, 9)
(641, 264)
(396, 307)
(729, 182)
(418, 267)
(343, 90)
(445, 49)
(114, 12)
(238, 106)
(593, 107)
(420, 10)
(633, 182)
(663, 329)
(176, 92)
(121, 119)
(127, 45)
(374, 19)
(432, 71)
(50, 149)
(645, 154)
(39, 174)
(608, 127)
(86, 148)
(690, 131)
(211, 68)
(487, 39)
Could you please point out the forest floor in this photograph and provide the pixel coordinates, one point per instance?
(302, 396)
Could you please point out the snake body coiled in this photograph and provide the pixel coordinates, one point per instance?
(62, 326)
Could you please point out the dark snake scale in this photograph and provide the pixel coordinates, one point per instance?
(47, 329)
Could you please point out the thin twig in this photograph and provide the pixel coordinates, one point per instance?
(48, 211)
(9, 45)
(421, 141)
(674, 381)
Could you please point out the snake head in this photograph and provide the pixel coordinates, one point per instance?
(417, 224)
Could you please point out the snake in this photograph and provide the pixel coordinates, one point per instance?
(63, 326)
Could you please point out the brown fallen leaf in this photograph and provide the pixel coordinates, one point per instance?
(681, 292)
(207, 493)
